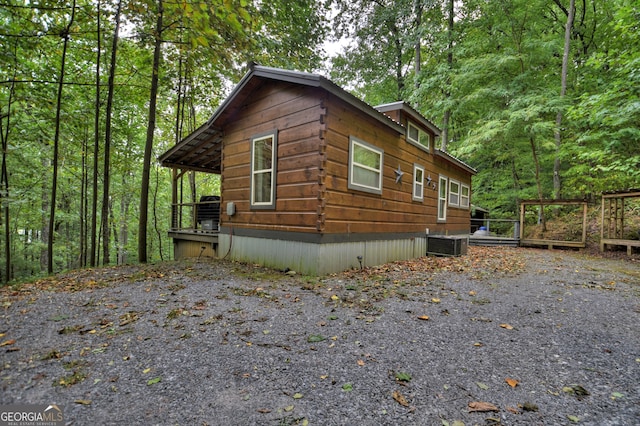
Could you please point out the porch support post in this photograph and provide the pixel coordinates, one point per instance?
(174, 198)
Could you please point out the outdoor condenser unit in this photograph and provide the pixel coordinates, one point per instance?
(447, 245)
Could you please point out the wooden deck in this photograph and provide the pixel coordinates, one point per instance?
(619, 242)
(492, 241)
(194, 243)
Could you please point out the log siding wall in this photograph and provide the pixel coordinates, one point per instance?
(312, 195)
(297, 116)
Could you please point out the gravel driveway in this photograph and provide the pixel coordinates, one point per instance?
(500, 336)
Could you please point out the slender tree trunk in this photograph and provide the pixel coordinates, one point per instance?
(83, 202)
(56, 143)
(399, 63)
(107, 139)
(446, 119)
(96, 149)
(144, 192)
(155, 213)
(536, 161)
(4, 180)
(4, 196)
(557, 183)
(418, 45)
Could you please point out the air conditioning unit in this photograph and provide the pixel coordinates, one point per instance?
(447, 245)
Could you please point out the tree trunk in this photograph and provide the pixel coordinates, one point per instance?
(4, 180)
(56, 143)
(557, 183)
(107, 140)
(418, 45)
(144, 191)
(446, 119)
(536, 162)
(96, 150)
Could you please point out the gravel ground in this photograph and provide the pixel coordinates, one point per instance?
(544, 337)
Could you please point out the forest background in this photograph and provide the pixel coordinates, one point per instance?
(542, 97)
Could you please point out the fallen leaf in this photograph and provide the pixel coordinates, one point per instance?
(264, 410)
(482, 407)
(8, 342)
(435, 300)
(574, 419)
(360, 362)
(315, 338)
(482, 386)
(83, 401)
(297, 395)
(154, 381)
(513, 410)
(478, 344)
(472, 293)
(511, 382)
(403, 377)
(617, 395)
(423, 317)
(507, 326)
(324, 376)
(528, 406)
(400, 399)
(289, 408)
(146, 370)
(347, 387)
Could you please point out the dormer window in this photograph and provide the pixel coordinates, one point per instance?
(418, 137)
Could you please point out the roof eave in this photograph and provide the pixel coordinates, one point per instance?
(454, 160)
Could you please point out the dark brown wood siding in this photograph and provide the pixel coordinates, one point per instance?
(394, 211)
(296, 113)
(312, 194)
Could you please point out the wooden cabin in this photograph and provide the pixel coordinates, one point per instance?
(315, 180)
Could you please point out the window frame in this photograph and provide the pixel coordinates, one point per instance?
(465, 199)
(416, 142)
(443, 182)
(454, 202)
(262, 205)
(351, 184)
(418, 185)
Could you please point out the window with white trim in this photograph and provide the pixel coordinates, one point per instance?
(263, 170)
(442, 198)
(418, 182)
(418, 136)
(454, 193)
(365, 166)
(464, 196)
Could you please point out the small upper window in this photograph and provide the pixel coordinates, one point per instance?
(263, 170)
(365, 166)
(418, 182)
(417, 136)
(454, 193)
(464, 196)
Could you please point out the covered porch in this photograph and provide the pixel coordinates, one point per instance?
(195, 219)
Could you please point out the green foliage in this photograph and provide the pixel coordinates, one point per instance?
(502, 87)
(205, 44)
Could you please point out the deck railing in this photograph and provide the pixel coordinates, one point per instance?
(203, 216)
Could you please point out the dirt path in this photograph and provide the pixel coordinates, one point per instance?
(543, 337)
